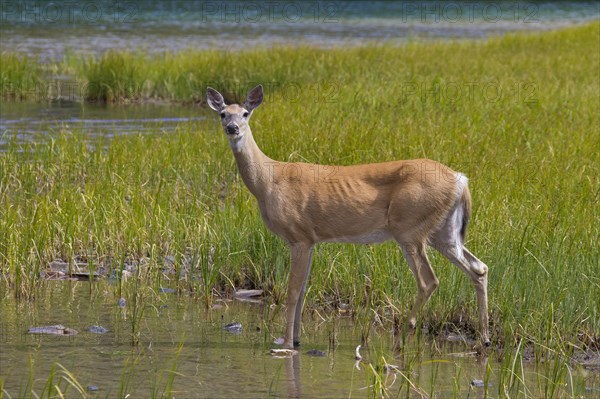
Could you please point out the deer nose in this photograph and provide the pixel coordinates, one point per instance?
(232, 129)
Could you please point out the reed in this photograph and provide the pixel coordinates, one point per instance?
(21, 78)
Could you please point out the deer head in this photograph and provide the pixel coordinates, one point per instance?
(235, 118)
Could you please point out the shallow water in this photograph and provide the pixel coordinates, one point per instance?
(54, 29)
(214, 363)
(22, 122)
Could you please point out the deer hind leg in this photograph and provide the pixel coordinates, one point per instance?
(480, 280)
(447, 241)
(299, 268)
(427, 282)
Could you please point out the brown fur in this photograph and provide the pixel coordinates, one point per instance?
(407, 199)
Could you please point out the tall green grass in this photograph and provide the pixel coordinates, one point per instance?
(118, 76)
(21, 77)
(517, 114)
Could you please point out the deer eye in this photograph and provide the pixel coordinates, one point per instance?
(222, 115)
(245, 114)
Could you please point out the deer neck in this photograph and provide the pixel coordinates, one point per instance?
(254, 166)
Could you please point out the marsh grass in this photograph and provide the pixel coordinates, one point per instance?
(163, 384)
(524, 128)
(21, 77)
(58, 384)
(119, 76)
(128, 374)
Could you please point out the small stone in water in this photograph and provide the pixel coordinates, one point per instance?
(283, 352)
(57, 329)
(97, 329)
(92, 388)
(316, 352)
(233, 327)
(479, 384)
(247, 293)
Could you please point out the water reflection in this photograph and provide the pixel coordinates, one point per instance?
(24, 122)
(292, 372)
(175, 336)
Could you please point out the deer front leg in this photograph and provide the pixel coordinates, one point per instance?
(299, 268)
(300, 304)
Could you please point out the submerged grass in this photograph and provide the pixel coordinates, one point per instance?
(517, 114)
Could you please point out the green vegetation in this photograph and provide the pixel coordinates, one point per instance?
(21, 77)
(517, 114)
(61, 382)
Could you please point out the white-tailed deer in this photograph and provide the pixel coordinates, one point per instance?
(416, 203)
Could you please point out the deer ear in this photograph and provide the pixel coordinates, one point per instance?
(254, 98)
(214, 99)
